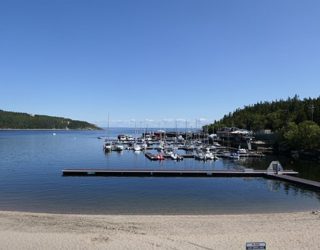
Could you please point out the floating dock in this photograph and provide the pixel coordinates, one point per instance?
(285, 175)
(171, 172)
(296, 180)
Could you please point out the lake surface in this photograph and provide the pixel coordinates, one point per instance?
(31, 180)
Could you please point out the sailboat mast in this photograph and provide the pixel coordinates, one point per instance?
(108, 128)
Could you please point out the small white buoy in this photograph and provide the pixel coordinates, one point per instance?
(54, 134)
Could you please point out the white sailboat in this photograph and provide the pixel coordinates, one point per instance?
(108, 145)
(137, 147)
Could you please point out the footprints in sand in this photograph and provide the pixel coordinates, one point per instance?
(100, 239)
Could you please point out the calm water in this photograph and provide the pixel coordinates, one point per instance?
(31, 180)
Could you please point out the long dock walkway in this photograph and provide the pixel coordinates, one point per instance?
(285, 175)
(171, 172)
(297, 180)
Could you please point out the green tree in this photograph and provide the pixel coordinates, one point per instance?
(304, 136)
(309, 135)
(291, 135)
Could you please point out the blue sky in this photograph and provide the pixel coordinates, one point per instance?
(155, 61)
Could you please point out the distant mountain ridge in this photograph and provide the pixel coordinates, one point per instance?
(17, 120)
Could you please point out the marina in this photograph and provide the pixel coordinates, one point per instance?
(126, 181)
(201, 150)
(160, 125)
(178, 146)
(199, 147)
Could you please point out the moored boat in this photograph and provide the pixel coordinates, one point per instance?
(107, 146)
(160, 157)
(137, 147)
(118, 147)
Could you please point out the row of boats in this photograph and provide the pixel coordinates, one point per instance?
(194, 150)
(110, 146)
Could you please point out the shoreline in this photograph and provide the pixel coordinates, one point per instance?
(297, 230)
(47, 129)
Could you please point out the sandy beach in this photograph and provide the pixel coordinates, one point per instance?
(20, 230)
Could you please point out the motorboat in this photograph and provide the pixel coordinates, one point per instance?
(122, 137)
(175, 156)
(232, 155)
(209, 156)
(200, 156)
(118, 147)
(107, 146)
(137, 147)
(129, 138)
(144, 146)
(160, 157)
(242, 152)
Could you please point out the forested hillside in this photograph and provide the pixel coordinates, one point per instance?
(295, 121)
(14, 120)
(272, 115)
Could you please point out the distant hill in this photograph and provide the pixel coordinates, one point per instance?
(295, 123)
(15, 120)
(271, 115)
